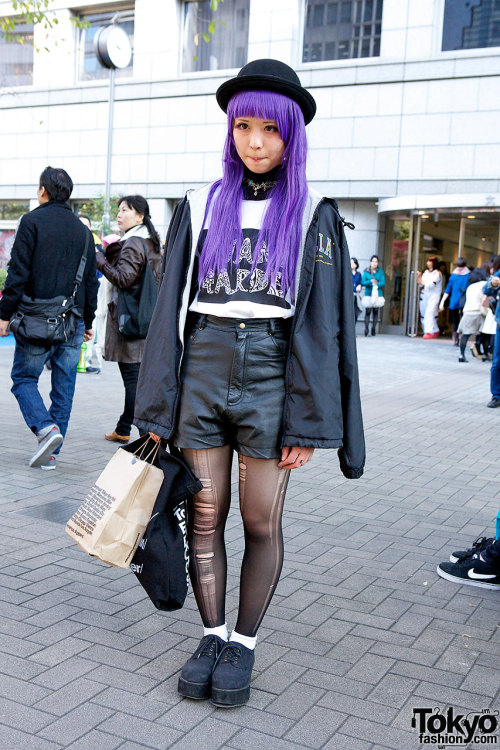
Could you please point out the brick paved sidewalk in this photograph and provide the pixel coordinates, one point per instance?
(361, 629)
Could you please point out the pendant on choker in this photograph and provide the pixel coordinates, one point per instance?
(256, 186)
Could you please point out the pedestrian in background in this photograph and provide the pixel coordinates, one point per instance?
(123, 264)
(251, 349)
(492, 289)
(92, 347)
(472, 318)
(432, 282)
(455, 290)
(49, 245)
(373, 278)
(356, 286)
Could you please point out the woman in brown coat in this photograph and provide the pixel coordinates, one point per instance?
(123, 265)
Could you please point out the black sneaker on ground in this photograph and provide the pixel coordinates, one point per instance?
(494, 403)
(232, 674)
(477, 547)
(473, 572)
(195, 680)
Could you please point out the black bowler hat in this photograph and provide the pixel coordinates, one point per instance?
(268, 75)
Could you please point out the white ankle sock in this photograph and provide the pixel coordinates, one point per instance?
(220, 630)
(245, 640)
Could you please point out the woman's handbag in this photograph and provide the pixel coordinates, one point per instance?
(112, 519)
(47, 322)
(374, 299)
(161, 561)
(134, 307)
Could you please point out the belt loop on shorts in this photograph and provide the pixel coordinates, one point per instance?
(272, 326)
(202, 321)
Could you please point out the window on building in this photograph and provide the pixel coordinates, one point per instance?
(227, 46)
(16, 58)
(342, 30)
(90, 68)
(470, 24)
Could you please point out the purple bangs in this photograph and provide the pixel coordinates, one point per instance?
(282, 226)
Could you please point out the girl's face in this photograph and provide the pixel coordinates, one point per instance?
(374, 263)
(258, 143)
(430, 265)
(128, 217)
(353, 266)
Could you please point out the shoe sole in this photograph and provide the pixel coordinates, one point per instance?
(467, 581)
(197, 691)
(117, 440)
(43, 454)
(230, 698)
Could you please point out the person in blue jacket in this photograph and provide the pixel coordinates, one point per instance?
(492, 289)
(373, 278)
(356, 286)
(455, 288)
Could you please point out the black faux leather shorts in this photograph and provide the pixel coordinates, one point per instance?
(233, 385)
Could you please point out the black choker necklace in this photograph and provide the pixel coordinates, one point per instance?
(256, 186)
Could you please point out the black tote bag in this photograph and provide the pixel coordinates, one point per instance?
(134, 307)
(162, 559)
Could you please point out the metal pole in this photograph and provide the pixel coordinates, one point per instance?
(413, 291)
(408, 271)
(461, 237)
(106, 219)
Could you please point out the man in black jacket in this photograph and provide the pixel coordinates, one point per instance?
(45, 257)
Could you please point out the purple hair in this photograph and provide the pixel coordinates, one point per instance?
(282, 227)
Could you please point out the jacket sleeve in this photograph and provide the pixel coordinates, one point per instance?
(381, 283)
(19, 268)
(366, 280)
(128, 267)
(352, 453)
(158, 385)
(91, 286)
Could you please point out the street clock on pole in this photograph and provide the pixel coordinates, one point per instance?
(112, 47)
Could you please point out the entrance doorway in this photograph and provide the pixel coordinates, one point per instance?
(410, 240)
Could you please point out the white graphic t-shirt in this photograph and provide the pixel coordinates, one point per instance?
(237, 292)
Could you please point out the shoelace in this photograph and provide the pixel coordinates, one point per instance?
(232, 654)
(208, 648)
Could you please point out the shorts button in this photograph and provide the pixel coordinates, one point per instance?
(242, 325)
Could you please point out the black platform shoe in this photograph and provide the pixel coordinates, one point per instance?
(232, 674)
(195, 680)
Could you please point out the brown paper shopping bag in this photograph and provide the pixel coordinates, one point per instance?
(112, 519)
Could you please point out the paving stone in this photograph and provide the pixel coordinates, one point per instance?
(141, 731)
(21, 717)
(13, 739)
(316, 727)
(130, 703)
(96, 740)
(210, 734)
(76, 723)
(370, 668)
(113, 677)
(63, 673)
(70, 696)
(295, 701)
(249, 739)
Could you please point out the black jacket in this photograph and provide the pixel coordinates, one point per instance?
(322, 403)
(47, 250)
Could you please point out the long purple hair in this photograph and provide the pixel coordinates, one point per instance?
(282, 225)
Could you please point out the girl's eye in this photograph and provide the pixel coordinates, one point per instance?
(242, 126)
(271, 128)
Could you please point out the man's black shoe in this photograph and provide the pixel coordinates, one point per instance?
(232, 674)
(473, 572)
(93, 370)
(195, 680)
(494, 403)
(477, 547)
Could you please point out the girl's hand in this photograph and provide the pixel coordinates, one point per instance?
(294, 458)
(154, 437)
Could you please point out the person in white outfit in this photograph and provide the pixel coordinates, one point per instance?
(472, 319)
(432, 282)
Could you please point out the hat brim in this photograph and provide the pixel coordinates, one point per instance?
(267, 83)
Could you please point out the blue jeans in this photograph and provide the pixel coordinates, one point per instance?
(29, 361)
(495, 366)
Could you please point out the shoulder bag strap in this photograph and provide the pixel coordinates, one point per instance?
(81, 266)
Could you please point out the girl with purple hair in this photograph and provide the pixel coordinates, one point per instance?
(251, 349)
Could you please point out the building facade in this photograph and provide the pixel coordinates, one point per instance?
(406, 137)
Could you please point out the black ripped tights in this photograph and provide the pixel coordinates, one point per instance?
(262, 488)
